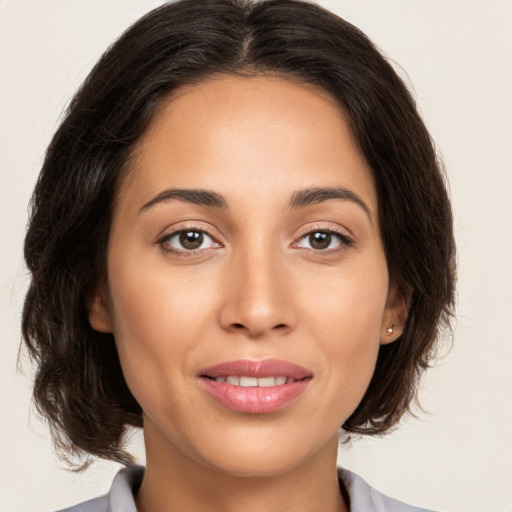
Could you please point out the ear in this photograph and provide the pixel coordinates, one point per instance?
(100, 317)
(395, 316)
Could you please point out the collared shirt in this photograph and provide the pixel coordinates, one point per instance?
(363, 497)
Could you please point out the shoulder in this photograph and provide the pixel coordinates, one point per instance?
(120, 496)
(95, 505)
(364, 498)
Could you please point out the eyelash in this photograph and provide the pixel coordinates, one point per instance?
(345, 240)
(184, 253)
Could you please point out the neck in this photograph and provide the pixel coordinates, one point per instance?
(175, 482)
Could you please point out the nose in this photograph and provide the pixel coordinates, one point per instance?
(258, 297)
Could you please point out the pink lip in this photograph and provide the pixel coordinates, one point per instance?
(255, 400)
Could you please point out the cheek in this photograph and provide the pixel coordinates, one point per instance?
(156, 304)
(157, 323)
(350, 302)
(346, 320)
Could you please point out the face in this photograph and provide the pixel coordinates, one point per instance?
(245, 249)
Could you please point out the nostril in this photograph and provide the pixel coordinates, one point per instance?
(238, 326)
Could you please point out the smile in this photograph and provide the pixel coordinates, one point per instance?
(262, 382)
(255, 387)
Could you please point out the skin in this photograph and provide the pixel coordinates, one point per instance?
(255, 289)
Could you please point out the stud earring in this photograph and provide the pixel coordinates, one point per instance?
(389, 330)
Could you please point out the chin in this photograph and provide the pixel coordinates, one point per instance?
(264, 467)
(251, 459)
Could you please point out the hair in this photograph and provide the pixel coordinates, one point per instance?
(79, 386)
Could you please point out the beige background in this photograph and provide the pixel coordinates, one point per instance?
(457, 53)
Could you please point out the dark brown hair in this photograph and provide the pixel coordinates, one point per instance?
(79, 386)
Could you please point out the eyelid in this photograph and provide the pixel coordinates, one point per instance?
(187, 226)
(347, 239)
(324, 226)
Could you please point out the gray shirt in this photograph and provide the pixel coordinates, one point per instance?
(363, 497)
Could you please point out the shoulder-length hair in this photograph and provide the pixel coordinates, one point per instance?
(79, 386)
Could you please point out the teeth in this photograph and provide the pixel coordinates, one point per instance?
(247, 382)
(262, 382)
(266, 382)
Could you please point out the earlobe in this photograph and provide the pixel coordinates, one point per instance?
(99, 310)
(394, 318)
(392, 333)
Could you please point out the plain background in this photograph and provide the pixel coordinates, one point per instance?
(456, 457)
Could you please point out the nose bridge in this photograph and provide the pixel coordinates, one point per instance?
(260, 298)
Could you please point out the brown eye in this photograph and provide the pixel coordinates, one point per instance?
(320, 240)
(323, 240)
(191, 239)
(187, 240)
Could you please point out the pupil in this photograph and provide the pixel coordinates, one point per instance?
(191, 239)
(320, 240)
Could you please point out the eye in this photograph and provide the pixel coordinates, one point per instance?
(322, 240)
(187, 240)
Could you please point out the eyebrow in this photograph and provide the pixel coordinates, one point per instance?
(299, 199)
(188, 195)
(316, 195)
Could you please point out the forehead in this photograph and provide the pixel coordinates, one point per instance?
(249, 136)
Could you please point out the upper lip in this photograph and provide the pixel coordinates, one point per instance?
(250, 368)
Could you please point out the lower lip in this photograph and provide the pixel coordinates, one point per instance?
(254, 400)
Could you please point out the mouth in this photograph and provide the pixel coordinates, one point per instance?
(255, 387)
(245, 381)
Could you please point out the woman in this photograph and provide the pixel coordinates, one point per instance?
(240, 242)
